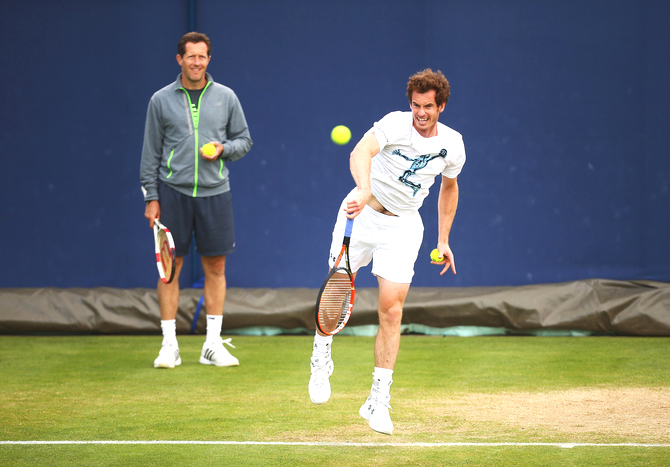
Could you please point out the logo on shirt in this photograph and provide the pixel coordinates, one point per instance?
(417, 164)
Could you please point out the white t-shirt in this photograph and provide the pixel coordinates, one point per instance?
(407, 164)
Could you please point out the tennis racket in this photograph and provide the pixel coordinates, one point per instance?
(165, 252)
(336, 297)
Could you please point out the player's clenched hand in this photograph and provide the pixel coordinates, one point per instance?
(356, 203)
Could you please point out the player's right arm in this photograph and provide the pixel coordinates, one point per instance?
(360, 162)
(152, 150)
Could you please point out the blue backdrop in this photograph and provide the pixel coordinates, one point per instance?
(562, 106)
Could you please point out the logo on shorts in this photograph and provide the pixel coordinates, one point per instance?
(417, 164)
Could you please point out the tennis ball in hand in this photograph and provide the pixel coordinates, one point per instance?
(435, 256)
(340, 135)
(209, 149)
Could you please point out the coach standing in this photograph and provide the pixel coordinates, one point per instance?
(190, 191)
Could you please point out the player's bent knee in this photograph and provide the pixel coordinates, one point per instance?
(391, 314)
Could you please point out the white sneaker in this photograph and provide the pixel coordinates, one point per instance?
(214, 353)
(319, 385)
(168, 357)
(377, 414)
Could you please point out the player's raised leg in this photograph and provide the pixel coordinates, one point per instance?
(213, 351)
(322, 367)
(168, 302)
(376, 408)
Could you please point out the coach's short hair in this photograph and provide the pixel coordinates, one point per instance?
(424, 81)
(193, 37)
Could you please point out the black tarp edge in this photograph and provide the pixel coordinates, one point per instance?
(637, 308)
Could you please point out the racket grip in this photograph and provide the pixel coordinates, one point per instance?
(348, 227)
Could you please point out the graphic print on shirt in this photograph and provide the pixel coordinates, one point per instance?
(417, 164)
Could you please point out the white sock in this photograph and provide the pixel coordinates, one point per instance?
(214, 324)
(382, 379)
(322, 345)
(169, 327)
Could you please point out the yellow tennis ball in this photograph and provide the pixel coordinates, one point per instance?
(209, 149)
(340, 135)
(435, 256)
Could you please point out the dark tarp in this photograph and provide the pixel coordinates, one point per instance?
(639, 308)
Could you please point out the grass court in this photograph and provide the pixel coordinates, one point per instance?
(97, 400)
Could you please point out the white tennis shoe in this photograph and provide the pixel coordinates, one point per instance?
(319, 384)
(214, 353)
(168, 357)
(376, 412)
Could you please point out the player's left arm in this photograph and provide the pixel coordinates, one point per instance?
(447, 203)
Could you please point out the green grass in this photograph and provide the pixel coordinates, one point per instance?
(105, 388)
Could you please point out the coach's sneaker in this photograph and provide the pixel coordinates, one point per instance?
(214, 353)
(376, 412)
(168, 357)
(319, 384)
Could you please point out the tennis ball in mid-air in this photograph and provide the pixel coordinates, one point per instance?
(209, 149)
(340, 135)
(435, 256)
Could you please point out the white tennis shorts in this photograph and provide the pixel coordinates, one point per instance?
(391, 242)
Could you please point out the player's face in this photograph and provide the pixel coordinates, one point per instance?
(193, 65)
(426, 113)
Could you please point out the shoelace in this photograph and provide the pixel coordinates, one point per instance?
(323, 368)
(170, 350)
(377, 398)
(227, 341)
(386, 402)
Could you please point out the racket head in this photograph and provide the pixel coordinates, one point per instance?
(335, 301)
(165, 252)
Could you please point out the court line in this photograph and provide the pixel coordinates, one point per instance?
(344, 444)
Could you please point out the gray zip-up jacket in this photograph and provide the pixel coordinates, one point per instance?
(174, 134)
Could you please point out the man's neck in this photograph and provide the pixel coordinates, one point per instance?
(191, 86)
(428, 133)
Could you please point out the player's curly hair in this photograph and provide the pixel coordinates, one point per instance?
(424, 81)
(193, 37)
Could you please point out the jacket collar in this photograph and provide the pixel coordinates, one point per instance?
(176, 86)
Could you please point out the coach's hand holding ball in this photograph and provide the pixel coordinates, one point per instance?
(210, 151)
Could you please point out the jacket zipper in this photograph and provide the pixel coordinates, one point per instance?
(195, 115)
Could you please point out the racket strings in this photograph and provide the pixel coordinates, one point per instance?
(165, 250)
(335, 301)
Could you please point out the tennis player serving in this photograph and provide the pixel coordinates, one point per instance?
(394, 165)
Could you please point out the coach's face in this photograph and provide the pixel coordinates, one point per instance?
(194, 65)
(426, 113)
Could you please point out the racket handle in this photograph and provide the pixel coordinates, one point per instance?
(348, 227)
